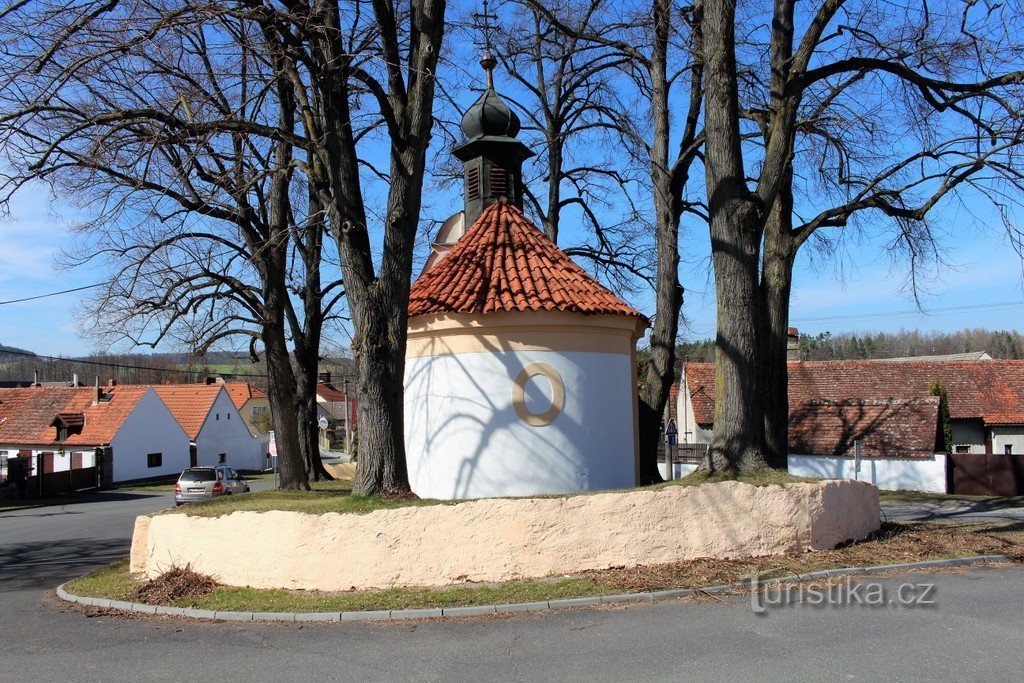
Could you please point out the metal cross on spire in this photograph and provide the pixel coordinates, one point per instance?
(483, 24)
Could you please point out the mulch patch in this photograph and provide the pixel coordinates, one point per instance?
(893, 543)
(180, 583)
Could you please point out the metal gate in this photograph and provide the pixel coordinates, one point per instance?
(987, 474)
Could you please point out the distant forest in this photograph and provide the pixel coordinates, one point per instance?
(868, 345)
(19, 365)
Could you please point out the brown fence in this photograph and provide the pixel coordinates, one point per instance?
(987, 474)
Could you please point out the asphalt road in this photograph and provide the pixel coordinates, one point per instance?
(953, 510)
(974, 629)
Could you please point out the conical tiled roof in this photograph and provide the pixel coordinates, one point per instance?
(504, 263)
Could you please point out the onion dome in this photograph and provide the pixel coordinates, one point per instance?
(490, 116)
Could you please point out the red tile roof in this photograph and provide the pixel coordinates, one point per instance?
(330, 393)
(241, 392)
(504, 263)
(989, 390)
(189, 403)
(27, 415)
(894, 428)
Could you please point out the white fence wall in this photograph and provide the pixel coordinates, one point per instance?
(889, 474)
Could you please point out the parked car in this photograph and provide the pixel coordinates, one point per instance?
(202, 483)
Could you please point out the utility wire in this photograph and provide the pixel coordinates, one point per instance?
(49, 294)
(948, 309)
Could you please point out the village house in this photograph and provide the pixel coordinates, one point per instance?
(217, 432)
(887, 406)
(251, 403)
(338, 407)
(83, 437)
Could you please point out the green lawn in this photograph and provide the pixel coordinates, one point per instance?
(325, 496)
(335, 496)
(894, 543)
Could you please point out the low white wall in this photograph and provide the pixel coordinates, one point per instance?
(503, 539)
(889, 474)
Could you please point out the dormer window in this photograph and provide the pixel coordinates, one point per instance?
(68, 424)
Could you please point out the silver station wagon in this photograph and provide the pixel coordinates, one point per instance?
(203, 483)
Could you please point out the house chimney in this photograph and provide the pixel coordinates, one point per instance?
(96, 392)
(210, 379)
(112, 383)
(35, 379)
(792, 345)
(324, 378)
(74, 380)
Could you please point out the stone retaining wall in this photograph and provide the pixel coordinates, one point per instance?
(502, 539)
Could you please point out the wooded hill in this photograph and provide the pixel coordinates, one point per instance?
(870, 345)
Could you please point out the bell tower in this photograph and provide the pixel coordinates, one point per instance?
(492, 158)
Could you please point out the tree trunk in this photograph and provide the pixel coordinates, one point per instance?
(736, 227)
(668, 292)
(381, 467)
(739, 415)
(281, 393)
(776, 286)
(309, 429)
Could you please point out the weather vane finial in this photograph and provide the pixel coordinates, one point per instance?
(483, 23)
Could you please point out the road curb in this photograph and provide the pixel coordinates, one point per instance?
(480, 610)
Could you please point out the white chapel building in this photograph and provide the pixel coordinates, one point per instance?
(520, 371)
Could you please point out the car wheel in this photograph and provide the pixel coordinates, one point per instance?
(246, 490)
(227, 493)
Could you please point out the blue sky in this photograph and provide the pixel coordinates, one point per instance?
(859, 291)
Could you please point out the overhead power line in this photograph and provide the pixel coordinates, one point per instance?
(49, 294)
(995, 306)
(124, 366)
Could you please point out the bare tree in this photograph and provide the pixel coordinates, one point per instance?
(659, 55)
(936, 89)
(166, 116)
(567, 95)
(347, 53)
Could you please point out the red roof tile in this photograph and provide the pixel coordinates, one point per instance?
(27, 415)
(189, 403)
(504, 263)
(989, 390)
(241, 392)
(894, 428)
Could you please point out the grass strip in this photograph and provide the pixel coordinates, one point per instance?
(336, 496)
(895, 543)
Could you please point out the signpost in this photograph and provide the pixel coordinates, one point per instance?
(348, 420)
(670, 440)
(272, 452)
(856, 459)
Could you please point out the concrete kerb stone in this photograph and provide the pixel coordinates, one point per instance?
(481, 610)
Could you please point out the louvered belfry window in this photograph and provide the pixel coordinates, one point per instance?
(499, 182)
(473, 183)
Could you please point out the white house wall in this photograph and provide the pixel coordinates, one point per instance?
(969, 433)
(689, 431)
(150, 428)
(225, 432)
(464, 439)
(889, 474)
(1012, 436)
(60, 463)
